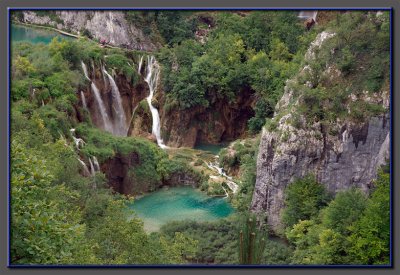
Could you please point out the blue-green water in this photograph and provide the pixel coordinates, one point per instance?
(33, 35)
(212, 148)
(179, 203)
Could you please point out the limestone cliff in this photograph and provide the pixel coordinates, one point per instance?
(343, 154)
(109, 25)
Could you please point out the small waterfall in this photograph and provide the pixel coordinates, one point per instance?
(85, 71)
(120, 125)
(96, 164)
(229, 180)
(103, 112)
(83, 98)
(86, 171)
(152, 72)
(92, 170)
(140, 64)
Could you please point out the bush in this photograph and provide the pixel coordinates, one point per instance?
(303, 199)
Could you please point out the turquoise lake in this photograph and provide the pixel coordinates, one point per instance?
(34, 35)
(177, 204)
(212, 148)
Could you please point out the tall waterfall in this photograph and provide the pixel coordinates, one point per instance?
(83, 98)
(152, 72)
(120, 128)
(85, 71)
(103, 111)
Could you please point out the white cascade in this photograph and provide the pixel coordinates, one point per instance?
(103, 111)
(86, 171)
(92, 170)
(152, 72)
(229, 180)
(140, 64)
(83, 98)
(96, 164)
(85, 71)
(120, 119)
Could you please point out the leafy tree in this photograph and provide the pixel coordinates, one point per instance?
(370, 234)
(304, 198)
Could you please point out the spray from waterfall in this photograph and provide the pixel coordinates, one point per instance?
(120, 118)
(152, 72)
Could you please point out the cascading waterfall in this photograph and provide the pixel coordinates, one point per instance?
(83, 98)
(120, 125)
(140, 64)
(92, 170)
(229, 180)
(96, 164)
(86, 171)
(85, 71)
(152, 72)
(103, 111)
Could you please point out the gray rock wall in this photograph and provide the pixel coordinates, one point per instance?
(109, 25)
(339, 162)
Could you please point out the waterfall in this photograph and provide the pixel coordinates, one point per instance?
(83, 100)
(96, 164)
(229, 180)
(86, 171)
(152, 72)
(85, 71)
(92, 170)
(103, 112)
(120, 125)
(140, 64)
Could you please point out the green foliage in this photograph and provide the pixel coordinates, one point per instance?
(344, 210)
(123, 65)
(363, 61)
(370, 234)
(45, 228)
(217, 241)
(303, 199)
(255, 51)
(352, 229)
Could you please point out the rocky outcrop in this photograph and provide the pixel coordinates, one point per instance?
(341, 155)
(348, 159)
(220, 122)
(109, 25)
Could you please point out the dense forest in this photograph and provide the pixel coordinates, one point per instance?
(62, 212)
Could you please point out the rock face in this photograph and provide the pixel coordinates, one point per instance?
(117, 171)
(341, 155)
(109, 25)
(222, 121)
(349, 159)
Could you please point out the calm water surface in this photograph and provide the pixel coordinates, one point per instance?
(34, 35)
(179, 203)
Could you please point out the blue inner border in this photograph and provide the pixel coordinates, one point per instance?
(10, 265)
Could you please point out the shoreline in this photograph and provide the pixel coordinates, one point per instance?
(74, 35)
